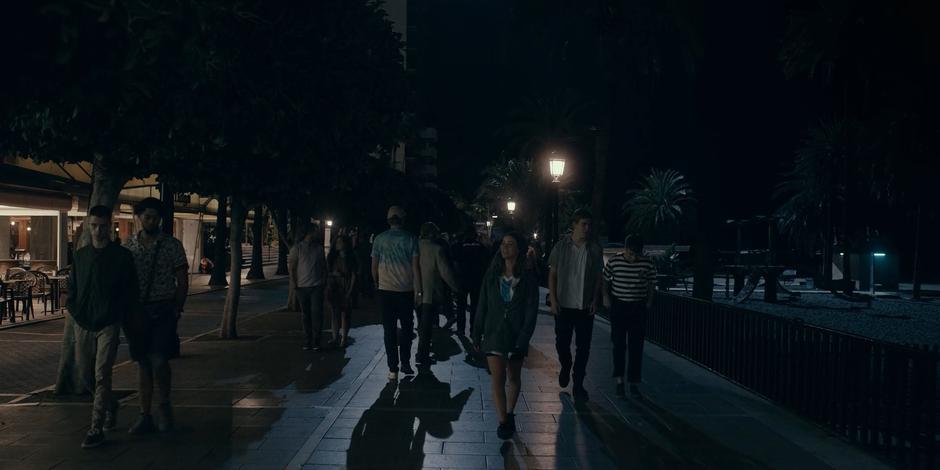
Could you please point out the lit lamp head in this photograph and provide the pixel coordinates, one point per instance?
(489, 223)
(535, 235)
(12, 223)
(556, 166)
(29, 229)
(329, 223)
(511, 206)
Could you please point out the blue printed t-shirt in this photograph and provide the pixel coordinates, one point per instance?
(394, 250)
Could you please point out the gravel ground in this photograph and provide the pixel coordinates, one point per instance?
(889, 319)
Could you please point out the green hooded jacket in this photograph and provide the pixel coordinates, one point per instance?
(506, 326)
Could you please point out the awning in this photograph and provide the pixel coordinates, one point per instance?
(31, 198)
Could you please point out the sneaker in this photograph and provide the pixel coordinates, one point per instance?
(579, 393)
(166, 422)
(620, 390)
(504, 432)
(392, 375)
(94, 438)
(635, 391)
(564, 376)
(110, 421)
(144, 425)
(407, 370)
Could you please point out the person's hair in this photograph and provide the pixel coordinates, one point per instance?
(634, 242)
(100, 211)
(149, 203)
(581, 214)
(334, 253)
(395, 220)
(497, 264)
(430, 231)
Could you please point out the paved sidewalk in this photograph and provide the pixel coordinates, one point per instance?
(260, 402)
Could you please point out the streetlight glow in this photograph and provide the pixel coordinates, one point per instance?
(556, 166)
(12, 223)
(535, 235)
(329, 223)
(511, 206)
(878, 255)
(489, 223)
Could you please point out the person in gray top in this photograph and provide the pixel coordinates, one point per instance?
(436, 272)
(306, 265)
(574, 285)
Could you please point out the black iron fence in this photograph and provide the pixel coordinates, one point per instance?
(880, 395)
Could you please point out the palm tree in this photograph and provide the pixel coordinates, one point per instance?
(541, 123)
(660, 204)
(514, 178)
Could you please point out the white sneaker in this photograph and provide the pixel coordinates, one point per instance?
(393, 376)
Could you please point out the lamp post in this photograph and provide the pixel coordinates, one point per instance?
(511, 207)
(556, 168)
(328, 235)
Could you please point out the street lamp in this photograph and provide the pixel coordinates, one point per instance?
(511, 206)
(556, 167)
(329, 223)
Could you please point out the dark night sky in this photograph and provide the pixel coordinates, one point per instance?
(753, 117)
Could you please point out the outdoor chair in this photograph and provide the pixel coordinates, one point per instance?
(6, 302)
(42, 288)
(13, 272)
(22, 293)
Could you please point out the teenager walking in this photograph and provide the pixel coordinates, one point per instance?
(472, 262)
(629, 280)
(306, 266)
(342, 267)
(504, 325)
(437, 275)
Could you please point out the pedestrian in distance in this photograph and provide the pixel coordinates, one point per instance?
(472, 262)
(574, 284)
(437, 274)
(162, 273)
(629, 286)
(397, 271)
(103, 288)
(342, 267)
(306, 266)
(509, 299)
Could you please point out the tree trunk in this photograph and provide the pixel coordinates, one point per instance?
(915, 277)
(76, 373)
(229, 329)
(283, 246)
(601, 146)
(292, 304)
(256, 271)
(218, 258)
(166, 196)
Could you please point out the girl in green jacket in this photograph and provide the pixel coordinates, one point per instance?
(504, 323)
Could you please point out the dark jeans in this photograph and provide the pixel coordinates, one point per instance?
(628, 328)
(397, 307)
(311, 305)
(462, 308)
(579, 323)
(427, 320)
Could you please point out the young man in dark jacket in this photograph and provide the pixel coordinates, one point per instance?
(102, 290)
(472, 260)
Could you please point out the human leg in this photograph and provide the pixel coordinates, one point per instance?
(584, 327)
(304, 295)
(316, 314)
(515, 383)
(405, 309)
(497, 366)
(637, 336)
(425, 330)
(390, 327)
(460, 315)
(618, 336)
(106, 344)
(564, 328)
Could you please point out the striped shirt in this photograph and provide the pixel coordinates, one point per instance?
(629, 282)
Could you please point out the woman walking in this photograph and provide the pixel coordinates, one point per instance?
(341, 268)
(504, 324)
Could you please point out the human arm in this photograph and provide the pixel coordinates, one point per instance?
(292, 266)
(181, 272)
(448, 274)
(375, 271)
(416, 272)
(596, 296)
(479, 319)
(553, 281)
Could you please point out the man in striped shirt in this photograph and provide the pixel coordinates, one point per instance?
(629, 280)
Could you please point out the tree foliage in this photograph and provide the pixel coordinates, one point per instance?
(661, 202)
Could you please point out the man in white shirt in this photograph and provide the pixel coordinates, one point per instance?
(574, 286)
